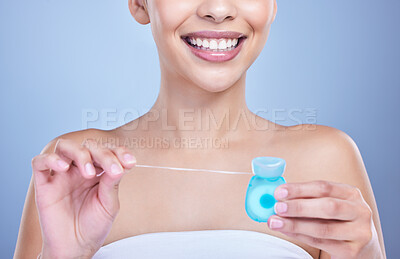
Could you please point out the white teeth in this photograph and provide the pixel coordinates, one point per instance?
(222, 44)
(234, 42)
(214, 44)
(229, 43)
(206, 44)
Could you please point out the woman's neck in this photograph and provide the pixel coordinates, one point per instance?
(185, 110)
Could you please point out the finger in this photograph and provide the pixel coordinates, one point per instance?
(125, 157)
(104, 158)
(110, 179)
(108, 192)
(315, 189)
(323, 208)
(43, 164)
(77, 153)
(326, 229)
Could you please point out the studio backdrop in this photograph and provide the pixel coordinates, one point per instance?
(71, 65)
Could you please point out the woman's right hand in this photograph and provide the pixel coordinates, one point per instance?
(76, 207)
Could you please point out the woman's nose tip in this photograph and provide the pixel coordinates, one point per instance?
(217, 11)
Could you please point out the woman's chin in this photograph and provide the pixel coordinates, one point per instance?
(214, 87)
(216, 83)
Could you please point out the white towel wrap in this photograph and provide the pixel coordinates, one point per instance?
(208, 244)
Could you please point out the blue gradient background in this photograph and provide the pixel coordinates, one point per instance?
(58, 58)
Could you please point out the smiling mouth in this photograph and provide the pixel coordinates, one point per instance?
(214, 44)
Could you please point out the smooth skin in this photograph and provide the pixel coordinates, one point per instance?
(327, 207)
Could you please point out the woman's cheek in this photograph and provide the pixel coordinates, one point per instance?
(166, 17)
(258, 13)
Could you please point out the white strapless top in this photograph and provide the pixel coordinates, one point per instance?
(202, 244)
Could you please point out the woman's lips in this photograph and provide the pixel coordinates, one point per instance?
(214, 34)
(216, 56)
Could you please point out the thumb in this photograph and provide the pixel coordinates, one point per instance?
(108, 192)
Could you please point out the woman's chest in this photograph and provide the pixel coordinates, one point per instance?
(160, 201)
(169, 201)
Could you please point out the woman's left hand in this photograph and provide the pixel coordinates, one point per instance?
(329, 216)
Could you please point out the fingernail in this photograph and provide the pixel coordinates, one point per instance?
(62, 164)
(275, 223)
(90, 169)
(281, 193)
(129, 159)
(280, 207)
(116, 169)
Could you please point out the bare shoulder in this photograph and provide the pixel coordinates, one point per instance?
(331, 153)
(80, 136)
(319, 134)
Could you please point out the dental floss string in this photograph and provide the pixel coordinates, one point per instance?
(189, 169)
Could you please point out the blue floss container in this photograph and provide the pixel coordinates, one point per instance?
(267, 177)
